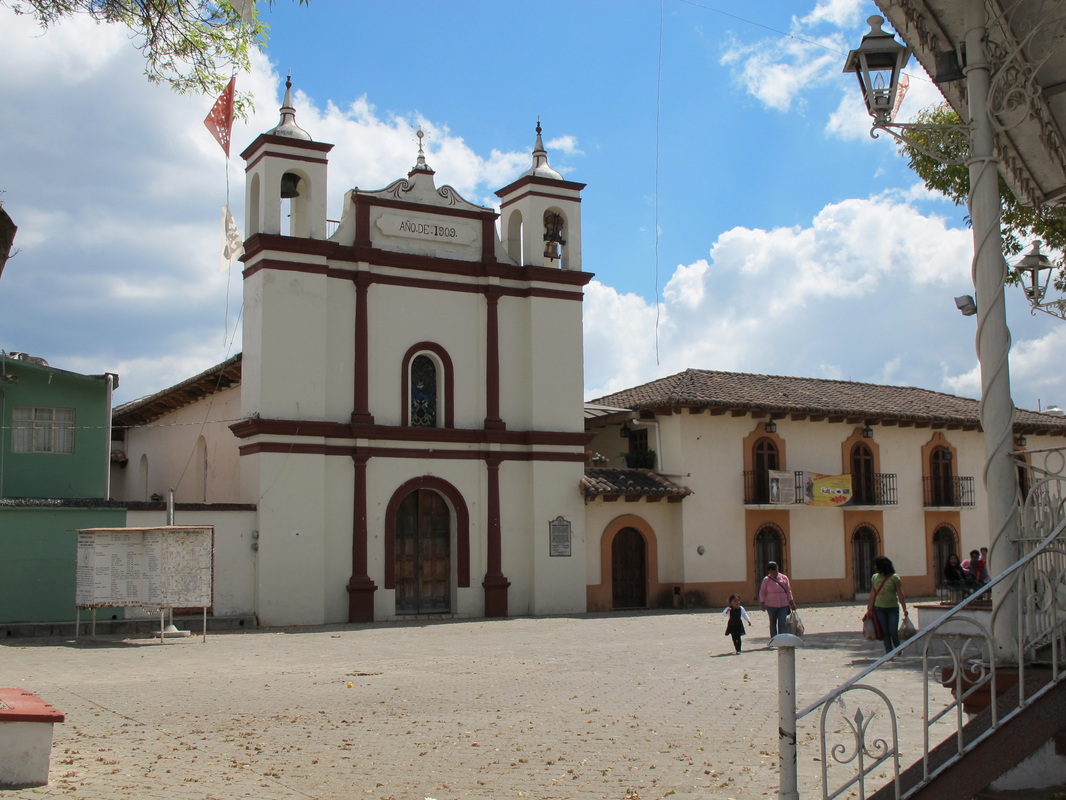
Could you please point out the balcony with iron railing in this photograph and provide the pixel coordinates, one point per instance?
(878, 489)
(915, 713)
(953, 492)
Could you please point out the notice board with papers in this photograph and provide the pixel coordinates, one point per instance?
(165, 567)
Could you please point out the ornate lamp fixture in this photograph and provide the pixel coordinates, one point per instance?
(878, 63)
(1034, 271)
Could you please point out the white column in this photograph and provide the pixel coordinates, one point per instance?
(993, 337)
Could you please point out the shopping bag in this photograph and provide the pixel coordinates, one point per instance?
(906, 629)
(793, 624)
(871, 630)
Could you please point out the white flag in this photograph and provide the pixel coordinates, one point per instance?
(232, 246)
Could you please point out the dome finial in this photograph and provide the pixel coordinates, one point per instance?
(420, 163)
(287, 125)
(540, 167)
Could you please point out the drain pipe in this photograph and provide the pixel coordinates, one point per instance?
(170, 507)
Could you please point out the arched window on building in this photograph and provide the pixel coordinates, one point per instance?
(942, 490)
(764, 460)
(423, 392)
(863, 486)
(428, 387)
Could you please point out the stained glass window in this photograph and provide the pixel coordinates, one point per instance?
(423, 392)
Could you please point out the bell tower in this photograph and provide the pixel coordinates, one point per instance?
(541, 216)
(285, 183)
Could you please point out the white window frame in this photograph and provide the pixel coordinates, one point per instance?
(42, 429)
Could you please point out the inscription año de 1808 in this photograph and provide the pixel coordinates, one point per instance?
(427, 229)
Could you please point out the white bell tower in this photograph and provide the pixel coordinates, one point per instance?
(541, 216)
(285, 182)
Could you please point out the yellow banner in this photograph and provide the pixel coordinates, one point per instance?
(827, 490)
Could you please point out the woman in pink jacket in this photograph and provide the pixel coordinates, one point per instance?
(775, 594)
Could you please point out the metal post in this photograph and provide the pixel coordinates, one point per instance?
(786, 645)
(993, 337)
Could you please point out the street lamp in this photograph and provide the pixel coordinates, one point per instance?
(1029, 270)
(877, 64)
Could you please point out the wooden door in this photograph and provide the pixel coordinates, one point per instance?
(629, 572)
(423, 554)
(864, 551)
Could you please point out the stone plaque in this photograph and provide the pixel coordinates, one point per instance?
(559, 536)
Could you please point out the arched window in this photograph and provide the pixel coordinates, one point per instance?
(427, 387)
(863, 551)
(942, 478)
(764, 460)
(863, 487)
(423, 392)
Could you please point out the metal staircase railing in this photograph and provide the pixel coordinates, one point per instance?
(914, 700)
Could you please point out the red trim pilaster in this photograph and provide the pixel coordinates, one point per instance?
(492, 360)
(361, 415)
(360, 587)
(495, 583)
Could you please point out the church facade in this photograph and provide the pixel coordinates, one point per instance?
(411, 392)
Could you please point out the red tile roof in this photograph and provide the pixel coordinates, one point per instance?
(783, 396)
(630, 483)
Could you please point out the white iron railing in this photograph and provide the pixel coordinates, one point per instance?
(907, 708)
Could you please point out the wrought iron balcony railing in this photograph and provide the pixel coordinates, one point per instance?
(877, 489)
(954, 492)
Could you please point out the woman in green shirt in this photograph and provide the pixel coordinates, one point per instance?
(886, 597)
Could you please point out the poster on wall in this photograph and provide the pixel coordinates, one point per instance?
(782, 487)
(826, 490)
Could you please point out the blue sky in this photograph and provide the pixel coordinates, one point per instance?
(730, 177)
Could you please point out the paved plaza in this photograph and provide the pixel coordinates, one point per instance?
(625, 706)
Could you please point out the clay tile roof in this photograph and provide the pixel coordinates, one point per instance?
(151, 407)
(606, 482)
(707, 389)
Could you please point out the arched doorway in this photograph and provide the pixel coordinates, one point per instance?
(769, 546)
(863, 552)
(423, 564)
(629, 570)
(945, 542)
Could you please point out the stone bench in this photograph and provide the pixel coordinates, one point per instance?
(25, 738)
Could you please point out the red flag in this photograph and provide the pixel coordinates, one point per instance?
(220, 120)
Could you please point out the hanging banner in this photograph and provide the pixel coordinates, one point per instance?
(220, 119)
(782, 487)
(826, 490)
(232, 246)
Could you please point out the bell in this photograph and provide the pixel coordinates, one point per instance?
(551, 250)
(288, 185)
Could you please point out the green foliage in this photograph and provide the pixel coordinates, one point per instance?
(1020, 224)
(190, 45)
(640, 459)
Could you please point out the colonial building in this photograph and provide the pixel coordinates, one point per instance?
(911, 457)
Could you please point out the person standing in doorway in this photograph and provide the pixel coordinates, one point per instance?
(775, 594)
(886, 597)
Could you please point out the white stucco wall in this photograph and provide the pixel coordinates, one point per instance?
(174, 462)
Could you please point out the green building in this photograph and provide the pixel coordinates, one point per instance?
(54, 465)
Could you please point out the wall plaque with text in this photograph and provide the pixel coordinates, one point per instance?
(559, 535)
